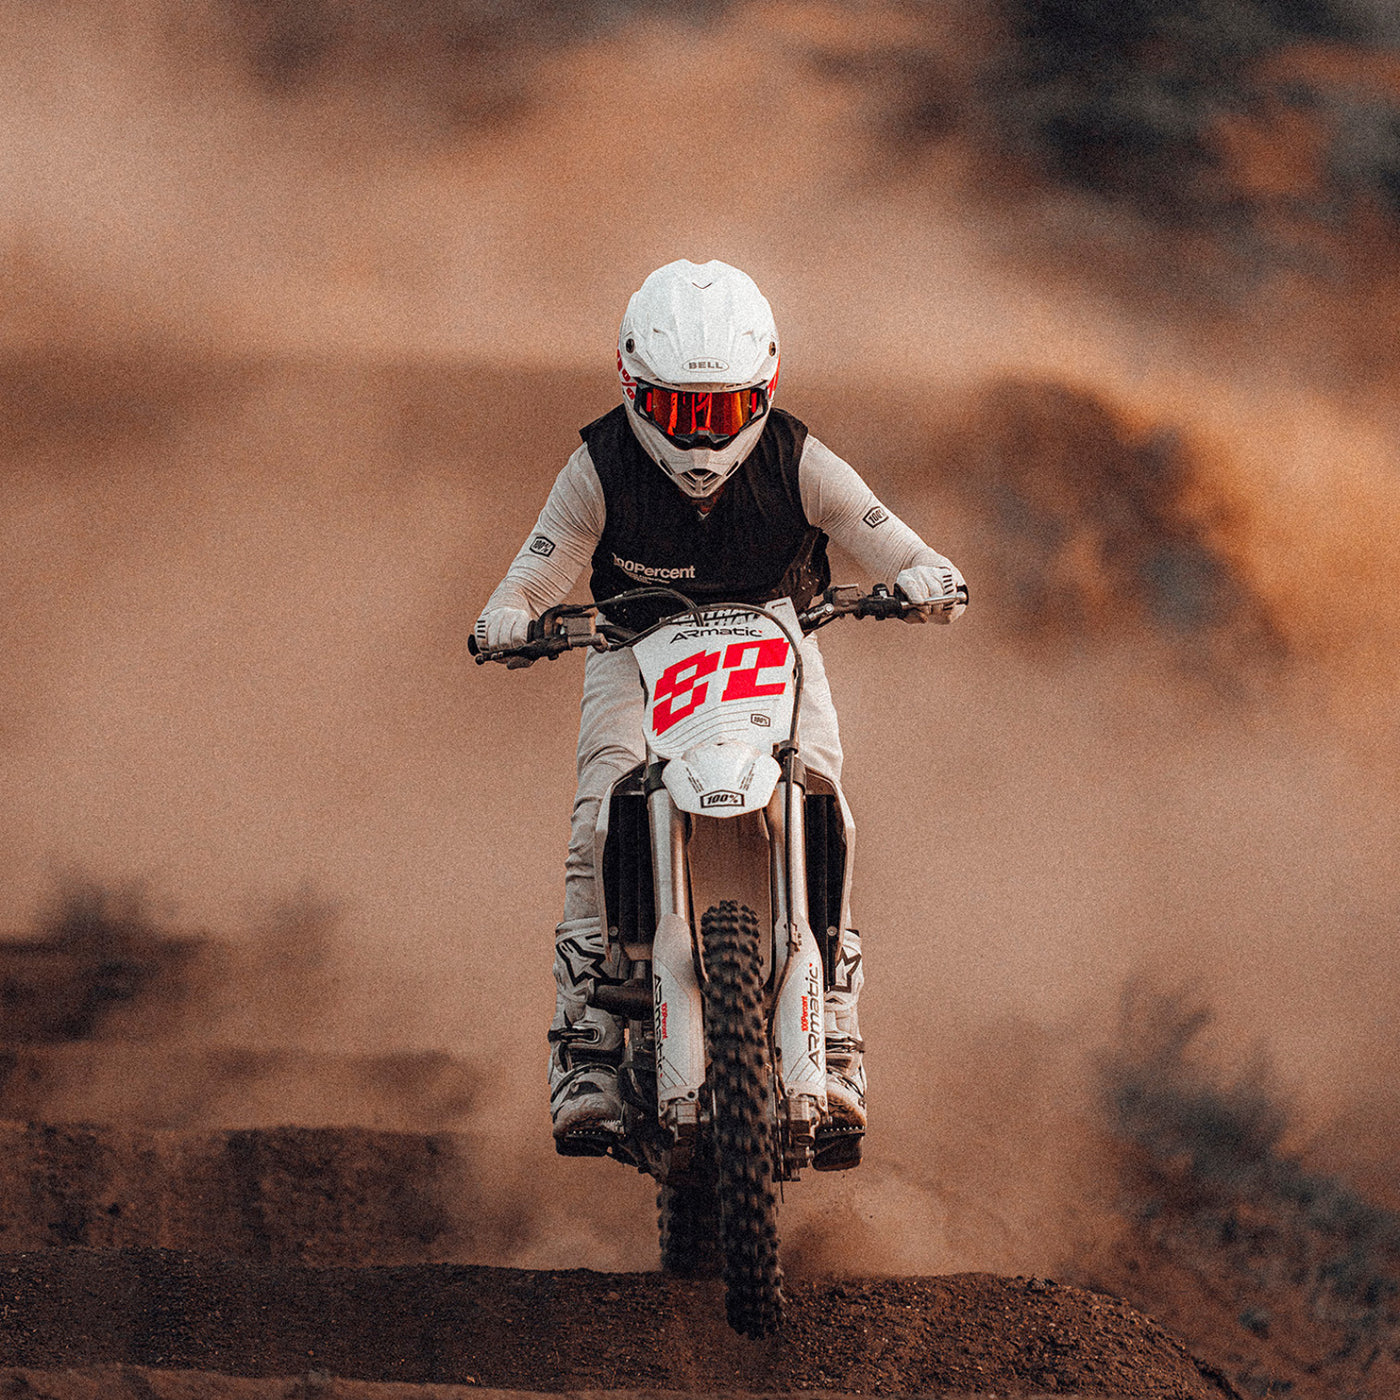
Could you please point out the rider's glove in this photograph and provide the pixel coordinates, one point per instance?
(500, 628)
(935, 586)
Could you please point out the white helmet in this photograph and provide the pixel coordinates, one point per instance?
(698, 359)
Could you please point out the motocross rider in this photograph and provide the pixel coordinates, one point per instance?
(697, 482)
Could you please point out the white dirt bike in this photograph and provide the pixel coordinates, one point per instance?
(724, 867)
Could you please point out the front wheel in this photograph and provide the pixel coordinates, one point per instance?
(740, 1086)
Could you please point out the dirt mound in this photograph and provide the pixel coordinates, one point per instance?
(554, 1331)
(141, 1383)
(275, 1252)
(304, 1195)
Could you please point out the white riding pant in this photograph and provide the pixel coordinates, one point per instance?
(611, 742)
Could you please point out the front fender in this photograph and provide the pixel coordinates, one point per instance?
(722, 779)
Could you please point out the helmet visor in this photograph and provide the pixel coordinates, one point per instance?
(690, 418)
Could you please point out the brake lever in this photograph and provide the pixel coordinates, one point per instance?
(881, 603)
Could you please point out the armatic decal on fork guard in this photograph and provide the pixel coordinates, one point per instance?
(680, 1030)
(800, 1026)
(799, 1019)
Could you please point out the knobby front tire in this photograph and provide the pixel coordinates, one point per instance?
(740, 1078)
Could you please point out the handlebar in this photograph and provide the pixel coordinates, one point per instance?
(846, 600)
(568, 627)
(573, 626)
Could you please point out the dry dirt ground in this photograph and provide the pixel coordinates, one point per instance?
(84, 1292)
(510, 1329)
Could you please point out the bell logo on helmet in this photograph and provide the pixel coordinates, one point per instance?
(707, 364)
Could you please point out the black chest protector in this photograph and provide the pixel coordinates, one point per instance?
(754, 545)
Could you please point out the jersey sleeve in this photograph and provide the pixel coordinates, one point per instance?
(835, 499)
(559, 547)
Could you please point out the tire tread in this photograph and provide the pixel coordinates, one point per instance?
(741, 1135)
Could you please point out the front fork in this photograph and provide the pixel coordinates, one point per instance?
(798, 1038)
(678, 1017)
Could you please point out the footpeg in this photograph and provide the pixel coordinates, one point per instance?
(586, 1143)
(839, 1149)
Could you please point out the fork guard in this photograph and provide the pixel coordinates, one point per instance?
(679, 1024)
(799, 1031)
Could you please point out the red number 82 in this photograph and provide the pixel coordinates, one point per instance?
(682, 687)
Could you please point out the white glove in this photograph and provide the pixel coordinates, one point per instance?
(935, 586)
(497, 628)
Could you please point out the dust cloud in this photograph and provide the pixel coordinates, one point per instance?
(289, 361)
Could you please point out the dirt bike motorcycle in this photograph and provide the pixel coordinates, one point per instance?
(724, 870)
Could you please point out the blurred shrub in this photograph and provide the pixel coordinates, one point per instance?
(1212, 1186)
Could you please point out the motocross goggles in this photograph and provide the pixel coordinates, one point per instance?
(697, 418)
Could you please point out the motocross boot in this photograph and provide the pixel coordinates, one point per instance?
(841, 1135)
(585, 1046)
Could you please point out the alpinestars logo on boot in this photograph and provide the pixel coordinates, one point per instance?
(847, 965)
(542, 545)
(583, 957)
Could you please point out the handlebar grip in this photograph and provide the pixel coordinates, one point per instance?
(537, 645)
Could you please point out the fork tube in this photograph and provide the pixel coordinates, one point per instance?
(677, 1015)
(789, 858)
(668, 855)
(799, 1020)
(796, 851)
(776, 813)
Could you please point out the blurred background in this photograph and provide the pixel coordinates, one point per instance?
(303, 304)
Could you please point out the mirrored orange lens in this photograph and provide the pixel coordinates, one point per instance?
(682, 413)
